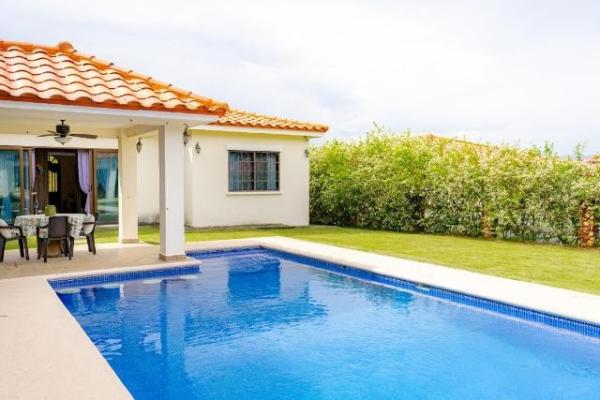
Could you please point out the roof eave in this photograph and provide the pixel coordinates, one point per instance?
(254, 130)
(128, 116)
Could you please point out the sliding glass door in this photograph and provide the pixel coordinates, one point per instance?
(27, 183)
(107, 186)
(11, 190)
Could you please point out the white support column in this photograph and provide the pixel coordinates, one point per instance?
(128, 209)
(172, 180)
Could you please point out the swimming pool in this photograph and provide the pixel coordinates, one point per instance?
(262, 324)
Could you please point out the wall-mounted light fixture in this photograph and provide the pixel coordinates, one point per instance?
(138, 146)
(186, 136)
(307, 152)
(198, 148)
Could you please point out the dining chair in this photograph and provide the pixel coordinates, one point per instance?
(88, 230)
(9, 233)
(58, 229)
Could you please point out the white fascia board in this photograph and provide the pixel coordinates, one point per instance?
(267, 131)
(41, 110)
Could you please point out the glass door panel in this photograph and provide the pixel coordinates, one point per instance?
(107, 187)
(26, 181)
(10, 184)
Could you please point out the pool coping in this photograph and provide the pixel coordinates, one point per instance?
(64, 363)
(564, 303)
(568, 304)
(539, 319)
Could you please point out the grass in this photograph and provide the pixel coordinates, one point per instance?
(560, 266)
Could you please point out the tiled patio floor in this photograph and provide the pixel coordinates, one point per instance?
(110, 255)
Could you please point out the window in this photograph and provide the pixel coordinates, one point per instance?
(251, 171)
(107, 186)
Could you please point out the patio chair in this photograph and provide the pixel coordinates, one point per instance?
(58, 230)
(9, 233)
(88, 230)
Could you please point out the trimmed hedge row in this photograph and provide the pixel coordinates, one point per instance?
(436, 185)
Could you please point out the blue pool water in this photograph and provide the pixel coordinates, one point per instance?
(256, 324)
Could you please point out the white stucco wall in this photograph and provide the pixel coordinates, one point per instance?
(147, 180)
(208, 202)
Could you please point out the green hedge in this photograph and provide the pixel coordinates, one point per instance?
(430, 184)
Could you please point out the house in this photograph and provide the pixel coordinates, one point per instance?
(84, 135)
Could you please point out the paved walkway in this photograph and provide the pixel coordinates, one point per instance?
(44, 352)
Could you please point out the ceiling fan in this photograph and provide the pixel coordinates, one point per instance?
(63, 134)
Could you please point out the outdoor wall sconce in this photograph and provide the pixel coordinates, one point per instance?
(186, 136)
(198, 148)
(138, 146)
(306, 152)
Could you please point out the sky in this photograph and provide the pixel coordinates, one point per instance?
(511, 71)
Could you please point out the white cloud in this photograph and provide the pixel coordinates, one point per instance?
(503, 71)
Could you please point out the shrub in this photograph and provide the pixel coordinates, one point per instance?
(431, 184)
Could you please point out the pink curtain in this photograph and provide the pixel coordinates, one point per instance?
(83, 166)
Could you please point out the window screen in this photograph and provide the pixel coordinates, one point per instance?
(253, 171)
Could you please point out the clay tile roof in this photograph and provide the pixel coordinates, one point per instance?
(61, 75)
(253, 120)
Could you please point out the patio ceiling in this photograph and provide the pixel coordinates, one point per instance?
(35, 118)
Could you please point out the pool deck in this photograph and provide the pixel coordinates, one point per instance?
(109, 255)
(47, 355)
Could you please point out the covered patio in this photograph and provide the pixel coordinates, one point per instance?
(41, 85)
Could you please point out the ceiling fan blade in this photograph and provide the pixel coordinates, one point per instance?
(53, 132)
(84, 135)
(48, 134)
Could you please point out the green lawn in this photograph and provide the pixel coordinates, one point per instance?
(566, 267)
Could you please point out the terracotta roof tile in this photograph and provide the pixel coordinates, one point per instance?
(59, 74)
(254, 120)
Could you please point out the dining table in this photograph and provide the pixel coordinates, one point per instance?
(30, 223)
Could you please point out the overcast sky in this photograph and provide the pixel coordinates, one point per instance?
(522, 72)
